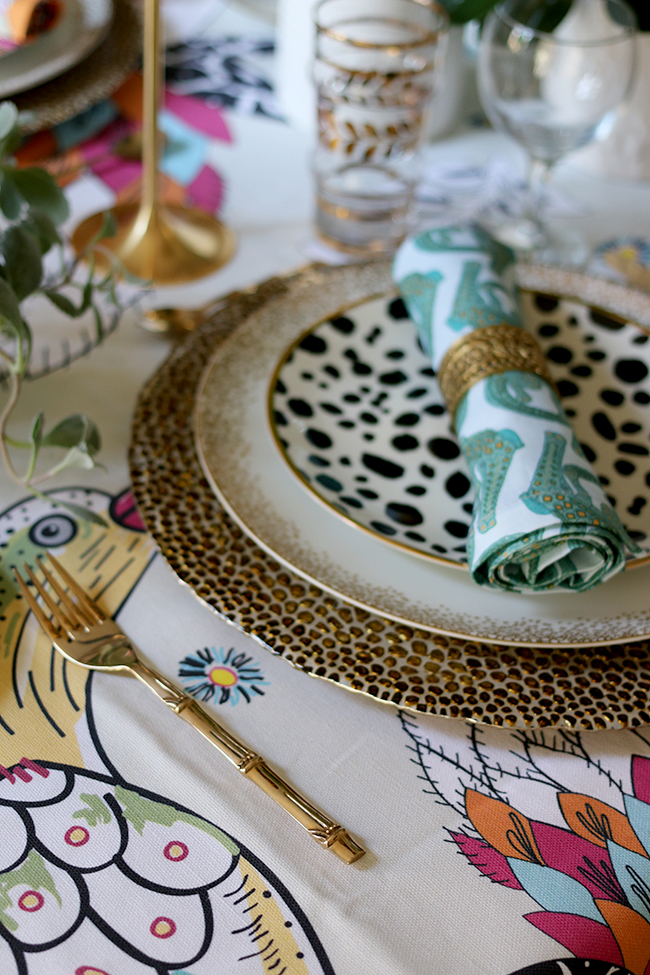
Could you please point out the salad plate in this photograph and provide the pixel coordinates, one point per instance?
(359, 418)
(253, 481)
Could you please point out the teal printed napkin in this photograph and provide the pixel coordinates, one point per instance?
(541, 519)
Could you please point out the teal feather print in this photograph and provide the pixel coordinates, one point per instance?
(443, 241)
(557, 490)
(510, 391)
(419, 292)
(489, 454)
(478, 305)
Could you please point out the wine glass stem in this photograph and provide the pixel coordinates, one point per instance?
(539, 173)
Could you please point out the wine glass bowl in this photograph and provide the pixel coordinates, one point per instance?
(553, 76)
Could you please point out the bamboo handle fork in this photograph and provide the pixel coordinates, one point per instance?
(85, 635)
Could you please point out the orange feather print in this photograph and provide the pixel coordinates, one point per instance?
(596, 821)
(502, 826)
(632, 933)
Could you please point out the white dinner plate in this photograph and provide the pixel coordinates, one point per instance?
(83, 26)
(256, 485)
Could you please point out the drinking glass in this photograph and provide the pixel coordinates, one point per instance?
(375, 70)
(553, 76)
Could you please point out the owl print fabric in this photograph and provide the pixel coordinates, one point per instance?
(541, 520)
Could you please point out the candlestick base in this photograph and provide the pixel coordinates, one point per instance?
(167, 245)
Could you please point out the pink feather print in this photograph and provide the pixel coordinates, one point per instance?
(582, 936)
(578, 858)
(485, 858)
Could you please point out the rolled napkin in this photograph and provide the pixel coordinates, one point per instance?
(541, 520)
(22, 21)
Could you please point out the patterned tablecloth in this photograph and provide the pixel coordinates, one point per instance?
(129, 846)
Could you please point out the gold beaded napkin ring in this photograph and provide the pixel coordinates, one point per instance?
(487, 352)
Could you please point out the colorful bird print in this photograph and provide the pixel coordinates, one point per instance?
(99, 876)
(583, 856)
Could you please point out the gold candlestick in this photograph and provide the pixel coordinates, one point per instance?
(166, 244)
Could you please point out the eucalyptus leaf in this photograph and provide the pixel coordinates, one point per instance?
(23, 259)
(40, 192)
(11, 203)
(76, 431)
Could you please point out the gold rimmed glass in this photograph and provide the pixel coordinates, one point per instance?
(376, 68)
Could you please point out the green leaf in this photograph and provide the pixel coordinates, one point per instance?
(11, 202)
(43, 227)
(40, 192)
(461, 13)
(80, 511)
(109, 227)
(62, 303)
(9, 130)
(75, 431)
(23, 260)
(75, 457)
(36, 435)
(8, 118)
(9, 307)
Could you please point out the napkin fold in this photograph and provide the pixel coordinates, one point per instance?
(22, 21)
(541, 520)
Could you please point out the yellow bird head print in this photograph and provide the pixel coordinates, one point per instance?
(42, 698)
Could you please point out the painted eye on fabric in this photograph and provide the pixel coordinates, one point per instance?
(53, 530)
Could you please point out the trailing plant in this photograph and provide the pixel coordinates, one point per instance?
(32, 209)
(542, 15)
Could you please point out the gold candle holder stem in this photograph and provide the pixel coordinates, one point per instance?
(164, 244)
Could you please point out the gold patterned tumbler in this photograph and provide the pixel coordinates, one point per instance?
(376, 67)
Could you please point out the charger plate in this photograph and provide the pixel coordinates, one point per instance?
(96, 77)
(588, 688)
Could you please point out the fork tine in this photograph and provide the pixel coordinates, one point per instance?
(91, 609)
(72, 610)
(58, 612)
(40, 616)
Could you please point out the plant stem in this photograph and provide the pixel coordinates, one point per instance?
(15, 384)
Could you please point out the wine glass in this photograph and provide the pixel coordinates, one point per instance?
(553, 75)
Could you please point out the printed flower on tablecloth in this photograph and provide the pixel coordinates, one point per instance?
(229, 674)
(589, 867)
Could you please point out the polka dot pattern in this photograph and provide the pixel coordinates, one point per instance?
(376, 444)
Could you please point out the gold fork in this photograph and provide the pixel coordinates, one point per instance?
(85, 635)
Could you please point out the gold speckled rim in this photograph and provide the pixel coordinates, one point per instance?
(589, 689)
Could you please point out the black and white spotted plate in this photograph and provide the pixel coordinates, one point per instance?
(359, 417)
(252, 479)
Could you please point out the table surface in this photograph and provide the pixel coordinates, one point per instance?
(489, 850)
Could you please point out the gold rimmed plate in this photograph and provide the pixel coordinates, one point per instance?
(359, 418)
(257, 487)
